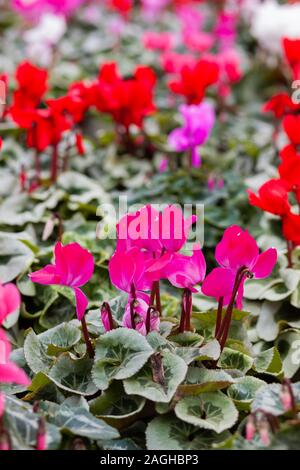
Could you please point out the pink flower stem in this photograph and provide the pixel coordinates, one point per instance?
(155, 296)
(54, 164)
(106, 307)
(41, 435)
(87, 339)
(287, 383)
(225, 325)
(219, 316)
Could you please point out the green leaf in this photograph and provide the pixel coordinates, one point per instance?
(213, 411)
(22, 425)
(232, 359)
(61, 338)
(173, 371)
(170, 433)
(269, 362)
(120, 354)
(117, 408)
(288, 344)
(244, 390)
(268, 399)
(81, 422)
(210, 351)
(15, 258)
(73, 375)
(36, 354)
(199, 380)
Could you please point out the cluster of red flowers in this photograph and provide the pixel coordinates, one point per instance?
(274, 196)
(127, 100)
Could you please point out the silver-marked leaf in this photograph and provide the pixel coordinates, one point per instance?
(36, 354)
(172, 374)
(73, 375)
(214, 411)
(233, 359)
(170, 433)
(120, 354)
(199, 380)
(269, 362)
(244, 390)
(81, 422)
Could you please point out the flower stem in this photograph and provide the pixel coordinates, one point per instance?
(289, 253)
(188, 309)
(54, 163)
(219, 316)
(225, 325)
(183, 314)
(87, 339)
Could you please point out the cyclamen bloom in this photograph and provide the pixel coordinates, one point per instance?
(141, 310)
(130, 100)
(32, 86)
(10, 300)
(181, 271)
(292, 53)
(154, 231)
(199, 121)
(291, 126)
(34, 9)
(237, 253)
(73, 267)
(195, 79)
(272, 197)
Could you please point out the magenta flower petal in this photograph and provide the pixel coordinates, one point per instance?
(81, 302)
(219, 283)
(11, 373)
(2, 403)
(46, 276)
(236, 249)
(10, 300)
(74, 264)
(186, 271)
(265, 263)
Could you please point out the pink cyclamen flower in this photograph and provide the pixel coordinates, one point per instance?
(141, 306)
(199, 121)
(9, 372)
(34, 9)
(154, 231)
(160, 41)
(236, 251)
(127, 270)
(181, 270)
(73, 267)
(10, 300)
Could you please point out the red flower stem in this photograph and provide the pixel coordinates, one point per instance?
(225, 325)
(37, 166)
(219, 315)
(54, 164)
(157, 297)
(132, 305)
(289, 245)
(188, 311)
(87, 339)
(183, 314)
